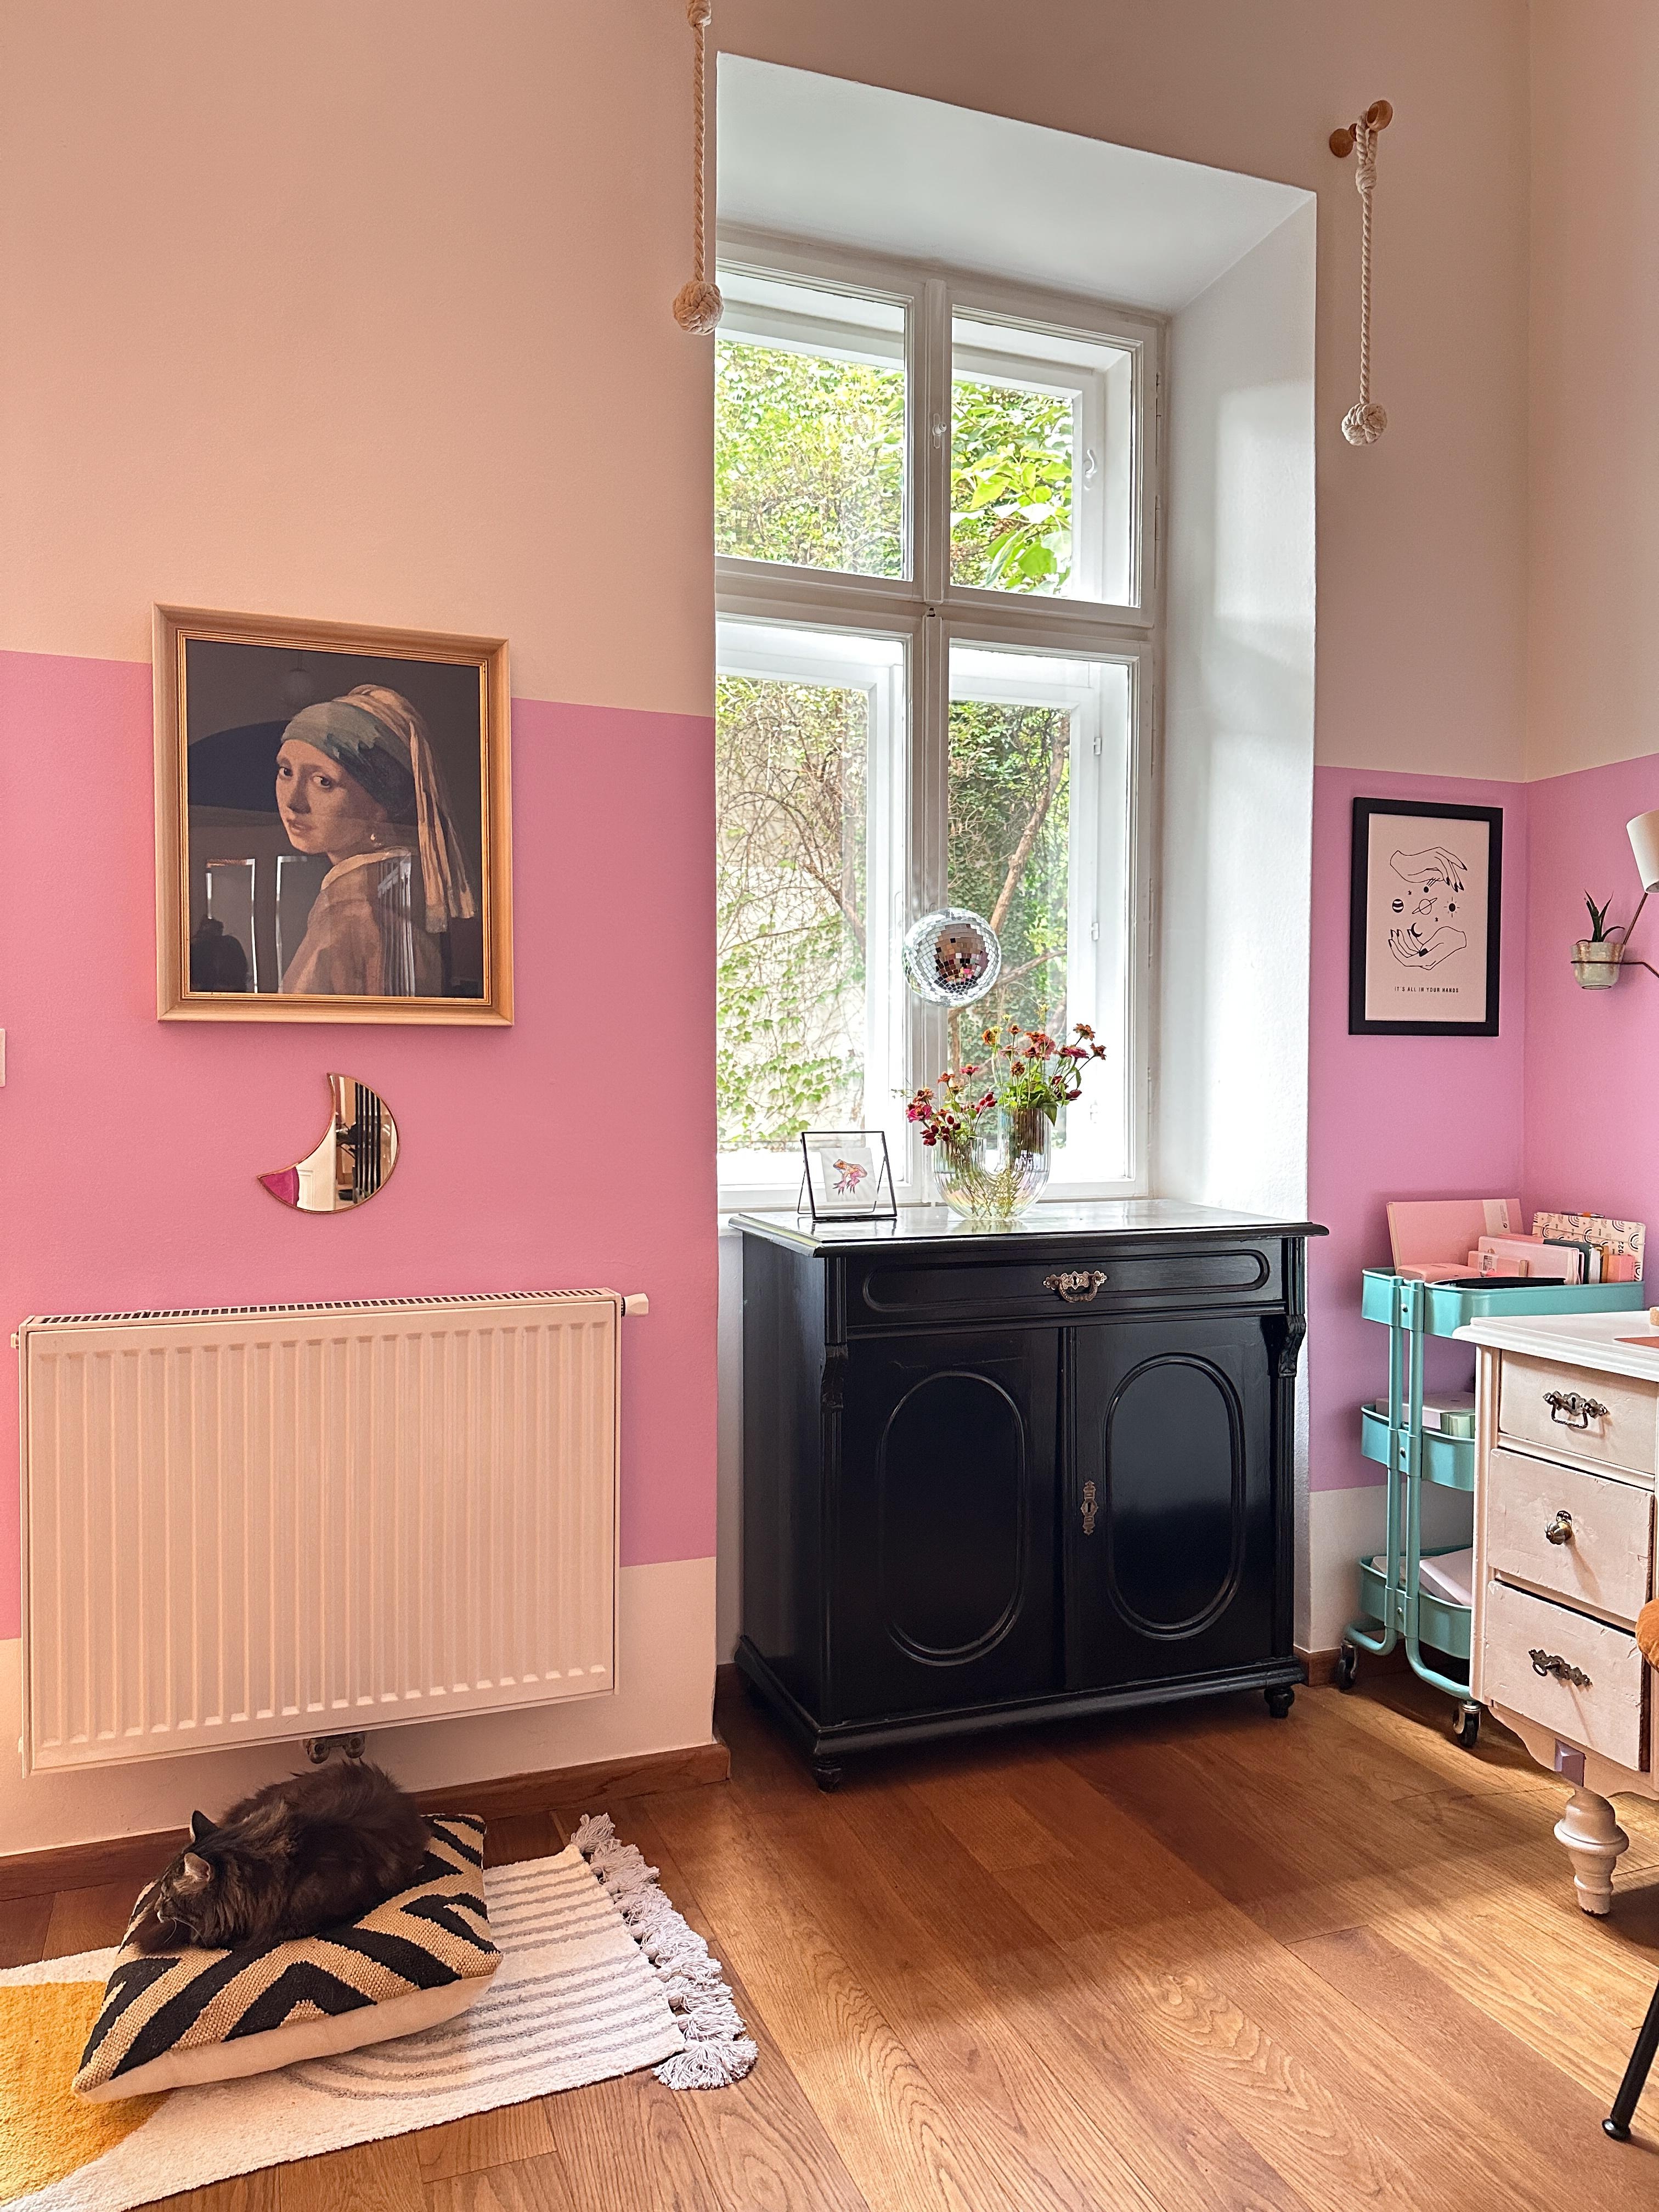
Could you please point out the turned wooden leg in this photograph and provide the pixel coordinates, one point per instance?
(1593, 1839)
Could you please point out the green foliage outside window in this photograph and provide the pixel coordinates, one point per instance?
(809, 460)
(791, 770)
(1009, 854)
(1010, 487)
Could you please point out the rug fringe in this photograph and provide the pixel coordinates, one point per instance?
(717, 2053)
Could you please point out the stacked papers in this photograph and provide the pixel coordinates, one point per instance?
(1450, 1577)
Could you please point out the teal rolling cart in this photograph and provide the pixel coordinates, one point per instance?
(1413, 1455)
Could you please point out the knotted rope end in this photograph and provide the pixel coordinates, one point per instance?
(698, 306)
(1365, 423)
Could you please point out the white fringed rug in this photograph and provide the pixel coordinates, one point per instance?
(600, 1975)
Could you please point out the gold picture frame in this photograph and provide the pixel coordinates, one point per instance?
(288, 887)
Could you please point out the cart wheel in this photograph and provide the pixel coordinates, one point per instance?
(1280, 1698)
(1466, 1728)
(1347, 1666)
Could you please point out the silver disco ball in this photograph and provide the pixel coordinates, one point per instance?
(952, 956)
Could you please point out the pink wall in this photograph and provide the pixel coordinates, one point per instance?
(1396, 1117)
(1592, 1057)
(545, 1155)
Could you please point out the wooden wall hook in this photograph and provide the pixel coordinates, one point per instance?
(1377, 117)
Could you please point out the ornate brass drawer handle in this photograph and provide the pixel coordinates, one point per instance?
(1572, 1410)
(1078, 1288)
(1090, 1507)
(1552, 1663)
(1560, 1530)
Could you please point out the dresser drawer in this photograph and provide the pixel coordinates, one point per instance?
(1621, 1432)
(1602, 1713)
(1060, 1285)
(1601, 1557)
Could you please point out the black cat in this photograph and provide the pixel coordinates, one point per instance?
(297, 1856)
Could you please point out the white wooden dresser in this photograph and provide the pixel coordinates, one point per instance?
(1566, 1446)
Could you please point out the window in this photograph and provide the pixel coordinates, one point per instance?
(936, 515)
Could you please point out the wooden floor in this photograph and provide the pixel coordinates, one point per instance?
(1194, 1961)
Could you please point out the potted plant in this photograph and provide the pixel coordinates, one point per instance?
(1596, 958)
(988, 1125)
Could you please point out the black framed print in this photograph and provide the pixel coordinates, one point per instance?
(846, 1175)
(1425, 919)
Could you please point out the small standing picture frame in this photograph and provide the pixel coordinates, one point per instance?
(844, 1174)
(1425, 919)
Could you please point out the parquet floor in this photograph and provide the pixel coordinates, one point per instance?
(1194, 1960)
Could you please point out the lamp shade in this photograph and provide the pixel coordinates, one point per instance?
(1645, 843)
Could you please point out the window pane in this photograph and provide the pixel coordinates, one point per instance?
(1040, 463)
(792, 765)
(1010, 850)
(1040, 796)
(808, 428)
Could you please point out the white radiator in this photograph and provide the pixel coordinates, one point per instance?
(244, 1525)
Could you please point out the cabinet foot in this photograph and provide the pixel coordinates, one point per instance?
(1592, 1841)
(1280, 1698)
(826, 1774)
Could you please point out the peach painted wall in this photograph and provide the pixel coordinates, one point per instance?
(1594, 524)
(360, 308)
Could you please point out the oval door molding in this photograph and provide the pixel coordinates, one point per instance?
(953, 1520)
(1227, 1587)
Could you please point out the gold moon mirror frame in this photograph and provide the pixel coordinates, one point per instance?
(355, 1159)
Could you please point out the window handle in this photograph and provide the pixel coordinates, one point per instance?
(1090, 464)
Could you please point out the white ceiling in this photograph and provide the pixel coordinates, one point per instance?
(856, 165)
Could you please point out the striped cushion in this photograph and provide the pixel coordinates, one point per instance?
(209, 2016)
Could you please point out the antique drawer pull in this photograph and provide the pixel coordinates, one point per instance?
(1559, 1530)
(1090, 1507)
(1572, 1410)
(1552, 1663)
(1077, 1289)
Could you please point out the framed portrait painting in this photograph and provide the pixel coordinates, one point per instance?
(332, 823)
(1425, 919)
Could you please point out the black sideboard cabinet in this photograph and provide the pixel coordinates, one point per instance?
(1002, 1475)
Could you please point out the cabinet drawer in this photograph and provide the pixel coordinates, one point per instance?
(908, 1291)
(1622, 1434)
(1602, 1559)
(1603, 1714)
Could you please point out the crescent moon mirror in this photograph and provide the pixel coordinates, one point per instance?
(356, 1158)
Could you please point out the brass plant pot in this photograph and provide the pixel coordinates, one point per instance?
(1595, 962)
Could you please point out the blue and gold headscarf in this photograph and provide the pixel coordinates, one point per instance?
(381, 742)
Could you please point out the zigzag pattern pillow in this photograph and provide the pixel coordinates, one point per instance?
(211, 2015)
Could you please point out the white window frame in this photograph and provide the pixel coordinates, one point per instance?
(927, 613)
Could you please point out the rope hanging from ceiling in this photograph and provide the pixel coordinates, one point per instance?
(697, 304)
(1366, 421)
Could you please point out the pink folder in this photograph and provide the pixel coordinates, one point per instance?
(1432, 1237)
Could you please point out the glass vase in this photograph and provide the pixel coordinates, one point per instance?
(997, 1169)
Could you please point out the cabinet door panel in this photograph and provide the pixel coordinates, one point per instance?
(1171, 1537)
(945, 1593)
